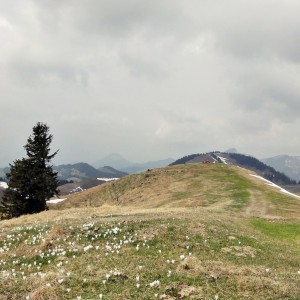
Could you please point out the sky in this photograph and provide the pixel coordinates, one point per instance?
(150, 79)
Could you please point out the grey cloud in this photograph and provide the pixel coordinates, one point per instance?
(272, 90)
(151, 79)
(112, 18)
(255, 29)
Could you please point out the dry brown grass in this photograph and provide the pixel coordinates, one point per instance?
(214, 187)
(179, 210)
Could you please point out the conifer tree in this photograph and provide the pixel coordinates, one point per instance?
(32, 180)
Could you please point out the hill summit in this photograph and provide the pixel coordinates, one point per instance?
(241, 160)
(213, 186)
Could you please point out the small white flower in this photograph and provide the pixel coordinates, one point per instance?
(100, 296)
(181, 256)
(155, 283)
(87, 248)
(138, 285)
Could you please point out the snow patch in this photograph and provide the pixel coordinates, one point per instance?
(223, 159)
(56, 200)
(107, 179)
(3, 184)
(275, 186)
(213, 159)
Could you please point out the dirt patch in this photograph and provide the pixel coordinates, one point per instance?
(182, 291)
(191, 265)
(197, 228)
(44, 292)
(240, 251)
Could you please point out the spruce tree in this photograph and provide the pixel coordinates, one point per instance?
(32, 180)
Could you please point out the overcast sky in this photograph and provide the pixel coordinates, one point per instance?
(150, 79)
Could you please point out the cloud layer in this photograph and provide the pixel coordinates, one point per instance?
(150, 79)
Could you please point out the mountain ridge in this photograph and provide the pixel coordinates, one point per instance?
(82, 171)
(118, 162)
(290, 165)
(245, 161)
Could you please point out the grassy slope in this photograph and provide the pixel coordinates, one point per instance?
(210, 186)
(186, 232)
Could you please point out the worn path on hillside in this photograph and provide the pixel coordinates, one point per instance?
(258, 206)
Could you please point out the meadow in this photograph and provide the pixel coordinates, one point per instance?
(218, 249)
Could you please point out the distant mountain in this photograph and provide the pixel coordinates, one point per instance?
(114, 160)
(290, 165)
(245, 161)
(119, 162)
(142, 167)
(231, 150)
(3, 172)
(81, 171)
(111, 172)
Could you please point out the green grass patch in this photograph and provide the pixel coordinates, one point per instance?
(279, 230)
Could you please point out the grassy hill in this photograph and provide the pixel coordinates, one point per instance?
(182, 232)
(194, 185)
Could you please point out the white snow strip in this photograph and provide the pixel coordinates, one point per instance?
(223, 159)
(56, 200)
(108, 179)
(213, 158)
(3, 185)
(275, 186)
